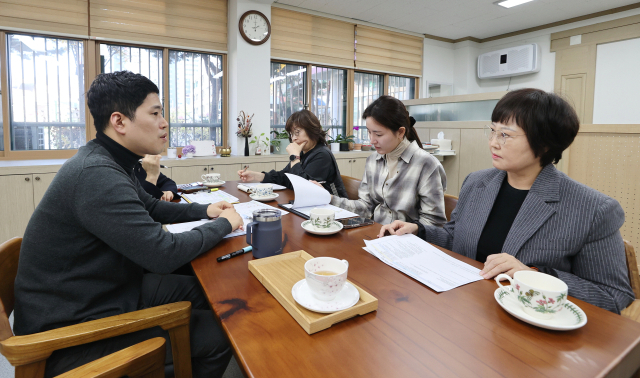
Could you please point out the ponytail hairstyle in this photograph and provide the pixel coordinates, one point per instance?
(392, 114)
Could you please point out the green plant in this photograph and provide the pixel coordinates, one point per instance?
(275, 141)
(341, 139)
(258, 140)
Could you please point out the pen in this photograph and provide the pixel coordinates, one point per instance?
(245, 168)
(322, 182)
(236, 253)
(161, 166)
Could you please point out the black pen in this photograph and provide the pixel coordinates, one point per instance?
(161, 166)
(236, 253)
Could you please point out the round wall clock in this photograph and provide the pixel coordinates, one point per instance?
(255, 27)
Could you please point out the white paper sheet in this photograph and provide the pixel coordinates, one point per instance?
(340, 213)
(306, 193)
(245, 210)
(245, 186)
(423, 262)
(206, 197)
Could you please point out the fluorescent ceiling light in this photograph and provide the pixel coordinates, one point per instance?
(511, 3)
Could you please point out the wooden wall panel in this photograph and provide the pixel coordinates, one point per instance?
(451, 164)
(474, 152)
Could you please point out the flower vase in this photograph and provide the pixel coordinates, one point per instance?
(246, 146)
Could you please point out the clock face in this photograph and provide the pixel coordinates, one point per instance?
(256, 28)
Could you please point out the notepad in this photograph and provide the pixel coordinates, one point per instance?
(309, 196)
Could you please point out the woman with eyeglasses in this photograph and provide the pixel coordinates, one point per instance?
(309, 156)
(524, 214)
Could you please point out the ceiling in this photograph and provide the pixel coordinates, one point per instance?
(456, 19)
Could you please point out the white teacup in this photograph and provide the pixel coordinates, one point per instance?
(322, 218)
(262, 190)
(211, 178)
(326, 276)
(540, 295)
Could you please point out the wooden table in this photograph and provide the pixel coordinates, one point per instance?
(415, 332)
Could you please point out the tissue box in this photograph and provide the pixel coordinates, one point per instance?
(443, 144)
(204, 147)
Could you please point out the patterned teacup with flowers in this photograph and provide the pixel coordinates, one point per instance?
(326, 276)
(322, 218)
(540, 295)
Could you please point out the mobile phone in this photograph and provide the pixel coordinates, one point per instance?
(356, 222)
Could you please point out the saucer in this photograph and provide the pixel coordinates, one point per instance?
(264, 199)
(346, 298)
(335, 228)
(214, 184)
(570, 317)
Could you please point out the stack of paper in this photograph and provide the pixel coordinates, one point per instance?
(423, 262)
(245, 186)
(309, 196)
(206, 197)
(245, 210)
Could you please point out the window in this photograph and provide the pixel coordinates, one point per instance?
(367, 87)
(46, 78)
(195, 98)
(143, 61)
(1, 118)
(329, 98)
(402, 88)
(288, 86)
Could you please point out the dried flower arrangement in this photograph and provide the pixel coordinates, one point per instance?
(244, 125)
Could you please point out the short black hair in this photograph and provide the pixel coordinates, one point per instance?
(549, 121)
(122, 91)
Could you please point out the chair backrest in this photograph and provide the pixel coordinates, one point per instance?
(450, 203)
(351, 185)
(632, 267)
(9, 254)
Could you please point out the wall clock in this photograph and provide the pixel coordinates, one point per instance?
(255, 27)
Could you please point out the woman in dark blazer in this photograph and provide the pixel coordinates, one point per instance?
(309, 155)
(524, 214)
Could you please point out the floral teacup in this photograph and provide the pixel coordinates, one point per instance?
(540, 295)
(326, 276)
(322, 218)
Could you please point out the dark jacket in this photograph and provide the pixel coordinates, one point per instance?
(318, 164)
(164, 183)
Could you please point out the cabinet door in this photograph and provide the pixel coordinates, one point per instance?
(261, 167)
(186, 175)
(344, 165)
(41, 182)
(16, 206)
(280, 165)
(167, 172)
(228, 172)
(357, 167)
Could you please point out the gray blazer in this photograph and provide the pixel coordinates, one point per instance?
(562, 225)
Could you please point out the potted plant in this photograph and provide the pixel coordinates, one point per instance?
(333, 142)
(258, 140)
(344, 142)
(357, 143)
(188, 151)
(280, 141)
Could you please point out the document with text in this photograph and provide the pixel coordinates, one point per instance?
(423, 262)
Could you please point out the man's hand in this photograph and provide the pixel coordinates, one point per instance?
(233, 217)
(167, 196)
(215, 209)
(398, 227)
(295, 148)
(250, 176)
(501, 263)
(151, 165)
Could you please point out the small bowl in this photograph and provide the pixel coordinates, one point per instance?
(366, 147)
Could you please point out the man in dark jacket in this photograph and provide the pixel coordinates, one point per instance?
(96, 230)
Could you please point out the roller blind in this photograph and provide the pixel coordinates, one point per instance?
(58, 16)
(387, 51)
(200, 24)
(309, 38)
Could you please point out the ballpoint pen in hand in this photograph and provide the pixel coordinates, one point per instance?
(236, 253)
(161, 166)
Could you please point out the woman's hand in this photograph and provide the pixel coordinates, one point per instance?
(295, 148)
(502, 263)
(167, 196)
(250, 176)
(398, 227)
(215, 209)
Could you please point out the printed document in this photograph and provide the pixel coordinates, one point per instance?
(423, 262)
(309, 196)
(246, 185)
(207, 197)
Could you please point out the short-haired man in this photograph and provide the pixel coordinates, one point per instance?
(95, 231)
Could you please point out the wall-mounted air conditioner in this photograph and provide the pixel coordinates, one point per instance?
(512, 61)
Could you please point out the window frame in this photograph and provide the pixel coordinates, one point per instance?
(307, 84)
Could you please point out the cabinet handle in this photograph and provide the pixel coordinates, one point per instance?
(205, 168)
(27, 179)
(37, 178)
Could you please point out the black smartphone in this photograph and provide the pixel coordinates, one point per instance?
(356, 222)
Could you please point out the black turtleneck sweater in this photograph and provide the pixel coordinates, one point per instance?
(88, 241)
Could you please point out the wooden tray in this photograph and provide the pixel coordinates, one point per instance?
(279, 273)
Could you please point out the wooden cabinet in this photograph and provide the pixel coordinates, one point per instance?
(227, 171)
(280, 165)
(352, 167)
(262, 167)
(16, 206)
(41, 182)
(186, 175)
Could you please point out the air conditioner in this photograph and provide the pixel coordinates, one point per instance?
(512, 61)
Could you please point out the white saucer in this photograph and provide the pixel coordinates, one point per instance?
(335, 228)
(264, 199)
(346, 298)
(214, 184)
(570, 317)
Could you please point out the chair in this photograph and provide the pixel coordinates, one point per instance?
(450, 203)
(633, 310)
(28, 354)
(351, 185)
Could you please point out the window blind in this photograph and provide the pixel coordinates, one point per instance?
(388, 51)
(58, 16)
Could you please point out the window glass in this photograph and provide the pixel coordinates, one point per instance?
(287, 90)
(329, 98)
(402, 88)
(143, 61)
(367, 87)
